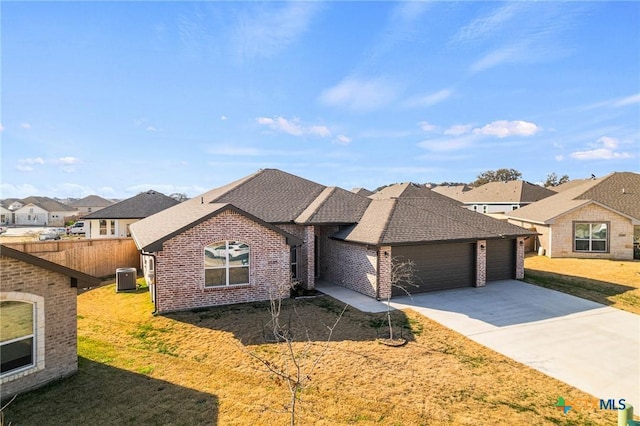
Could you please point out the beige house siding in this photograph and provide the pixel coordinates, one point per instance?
(620, 234)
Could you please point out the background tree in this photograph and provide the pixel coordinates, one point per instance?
(552, 180)
(179, 196)
(500, 175)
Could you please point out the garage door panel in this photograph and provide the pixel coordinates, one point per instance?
(439, 266)
(501, 260)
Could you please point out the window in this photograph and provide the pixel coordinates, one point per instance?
(113, 227)
(103, 227)
(294, 262)
(226, 263)
(17, 336)
(591, 237)
(484, 209)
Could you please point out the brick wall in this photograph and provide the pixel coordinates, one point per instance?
(353, 266)
(56, 324)
(384, 272)
(180, 267)
(481, 263)
(620, 234)
(306, 265)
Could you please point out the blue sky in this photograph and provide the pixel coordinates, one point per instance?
(114, 98)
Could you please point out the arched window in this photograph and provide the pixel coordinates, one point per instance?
(17, 336)
(226, 263)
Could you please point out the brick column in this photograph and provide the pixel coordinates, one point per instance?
(310, 253)
(520, 258)
(384, 272)
(481, 263)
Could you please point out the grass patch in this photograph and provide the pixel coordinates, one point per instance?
(193, 368)
(610, 282)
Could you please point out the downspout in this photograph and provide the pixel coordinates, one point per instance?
(155, 274)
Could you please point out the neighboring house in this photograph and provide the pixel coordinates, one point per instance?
(42, 211)
(452, 191)
(38, 331)
(502, 197)
(114, 221)
(6, 215)
(362, 191)
(90, 204)
(244, 241)
(597, 218)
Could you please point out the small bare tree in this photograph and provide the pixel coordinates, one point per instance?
(296, 365)
(403, 277)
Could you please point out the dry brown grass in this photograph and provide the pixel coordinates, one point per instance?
(193, 368)
(610, 282)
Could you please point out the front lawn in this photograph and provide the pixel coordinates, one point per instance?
(194, 368)
(610, 282)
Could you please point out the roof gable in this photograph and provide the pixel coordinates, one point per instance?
(515, 191)
(48, 204)
(150, 233)
(43, 263)
(140, 206)
(618, 191)
(91, 201)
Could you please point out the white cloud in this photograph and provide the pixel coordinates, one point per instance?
(342, 139)
(1, 128)
(322, 131)
(151, 128)
(506, 54)
(68, 160)
(25, 126)
(24, 168)
(487, 26)
(36, 160)
(458, 129)
(603, 149)
(615, 103)
(504, 128)
(9, 190)
(294, 127)
(559, 157)
(429, 99)
(427, 127)
(360, 95)
(223, 118)
(264, 32)
(448, 144)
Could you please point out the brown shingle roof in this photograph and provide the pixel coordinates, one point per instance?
(412, 220)
(362, 191)
(515, 191)
(48, 204)
(272, 195)
(334, 205)
(91, 201)
(451, 191)
(606, 191)
(150, 233)
(138, 207)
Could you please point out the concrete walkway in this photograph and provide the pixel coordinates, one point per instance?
(587, 345)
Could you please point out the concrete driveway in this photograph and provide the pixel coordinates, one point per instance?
(590, 346)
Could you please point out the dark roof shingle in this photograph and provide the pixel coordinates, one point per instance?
(137, 207)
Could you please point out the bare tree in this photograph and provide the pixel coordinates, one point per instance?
(296, 365)
(553, 180)
(403, 277)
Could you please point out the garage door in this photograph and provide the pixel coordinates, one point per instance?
(501, 259)
(438, 266)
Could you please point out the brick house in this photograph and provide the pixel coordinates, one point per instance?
(38, 332)
(594, 218)
(239, 242)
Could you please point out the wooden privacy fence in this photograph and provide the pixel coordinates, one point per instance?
(100, 257)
